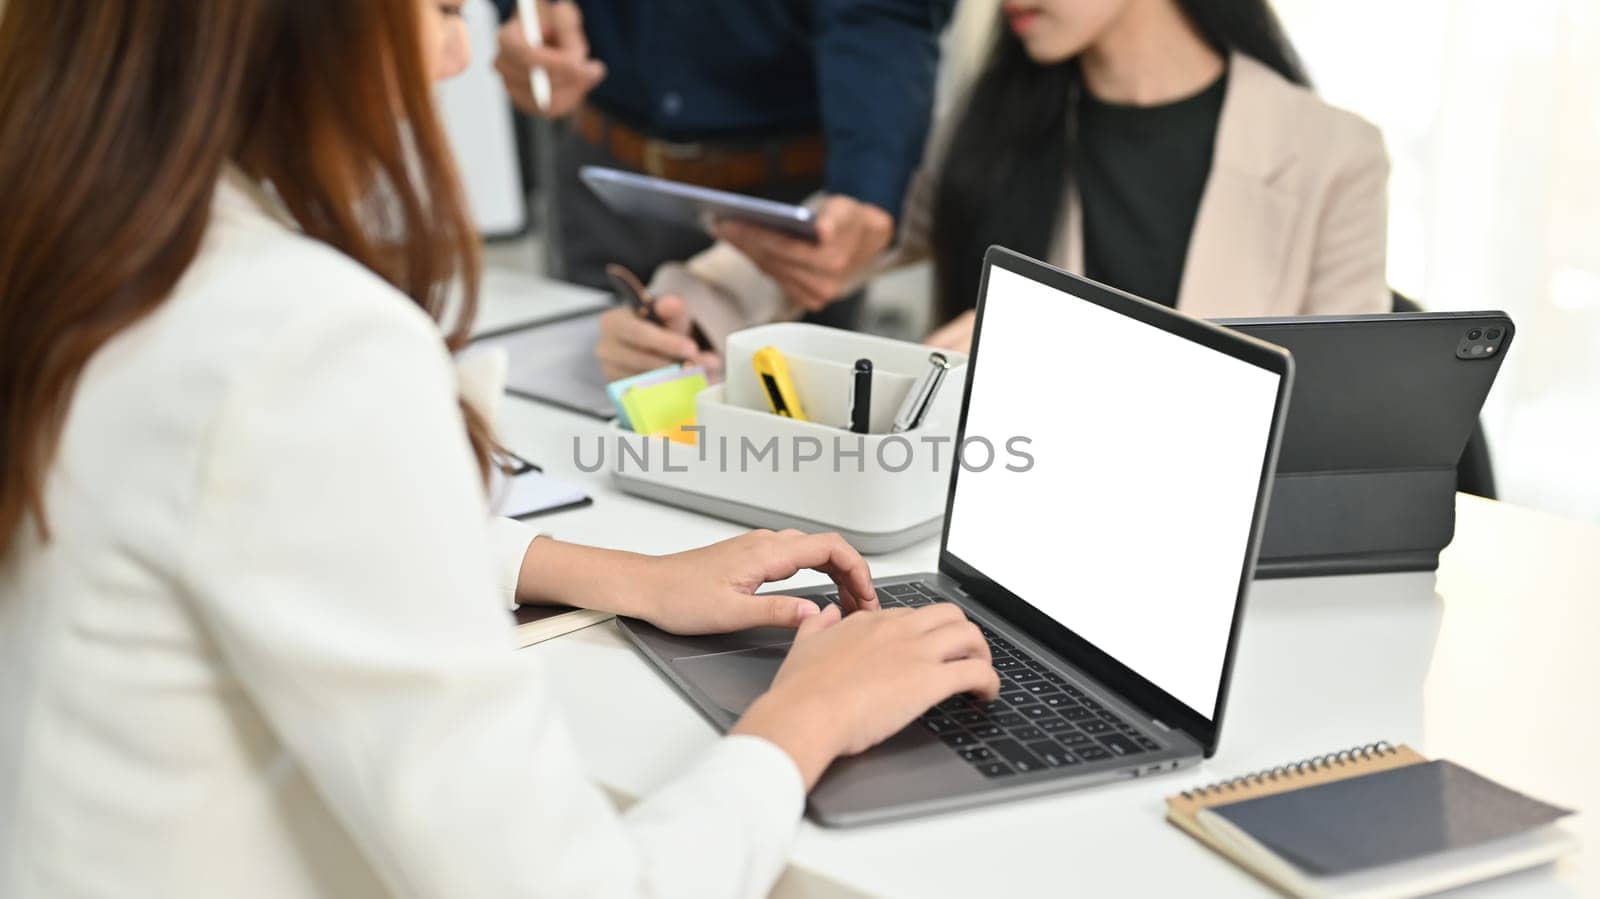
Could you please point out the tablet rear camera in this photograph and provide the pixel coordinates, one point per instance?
(1480, 343)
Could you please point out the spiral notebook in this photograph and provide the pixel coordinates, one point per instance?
(1373, 821)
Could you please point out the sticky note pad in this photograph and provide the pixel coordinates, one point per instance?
(677, 434)
(656, 407)
(665, 373)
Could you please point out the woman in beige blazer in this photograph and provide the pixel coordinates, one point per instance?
(1170, 148)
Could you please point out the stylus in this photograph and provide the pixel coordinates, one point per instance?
(917, 402)
(538, 79)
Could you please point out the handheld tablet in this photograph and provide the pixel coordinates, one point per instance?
(691, 206)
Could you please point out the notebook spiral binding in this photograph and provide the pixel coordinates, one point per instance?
(1304, 766)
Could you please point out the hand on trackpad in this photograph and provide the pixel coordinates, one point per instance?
(733, 680)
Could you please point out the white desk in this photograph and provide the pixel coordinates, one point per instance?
(1493, 663)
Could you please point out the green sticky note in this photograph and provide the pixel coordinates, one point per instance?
(657, 407)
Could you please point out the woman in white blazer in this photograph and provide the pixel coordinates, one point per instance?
(253, 627)
(1170, 148)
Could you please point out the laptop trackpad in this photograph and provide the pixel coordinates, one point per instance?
(733, 680)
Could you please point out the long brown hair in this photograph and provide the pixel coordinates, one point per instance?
(118, 120)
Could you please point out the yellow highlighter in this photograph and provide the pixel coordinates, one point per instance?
(773, 370)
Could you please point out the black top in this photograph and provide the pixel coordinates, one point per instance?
(734, 70)
(1140, 173)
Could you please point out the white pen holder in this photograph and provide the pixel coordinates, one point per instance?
(882, 491)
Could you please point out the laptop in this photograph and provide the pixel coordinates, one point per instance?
(1109, 576)
(1383, 407)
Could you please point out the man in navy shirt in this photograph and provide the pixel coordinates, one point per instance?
(774, 98)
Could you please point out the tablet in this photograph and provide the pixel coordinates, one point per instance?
(1382, 408)
(691, 206)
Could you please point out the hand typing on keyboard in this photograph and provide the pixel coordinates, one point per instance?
(1039, 720)
(850, 683)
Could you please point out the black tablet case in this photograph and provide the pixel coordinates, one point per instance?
(1380, 412)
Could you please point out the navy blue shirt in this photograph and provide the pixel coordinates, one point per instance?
(860, 71)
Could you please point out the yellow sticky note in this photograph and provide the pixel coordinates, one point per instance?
(658, 407)
(677, 434)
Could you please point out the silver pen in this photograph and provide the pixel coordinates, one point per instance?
(920, 398)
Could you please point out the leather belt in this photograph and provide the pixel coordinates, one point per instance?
(735, 167)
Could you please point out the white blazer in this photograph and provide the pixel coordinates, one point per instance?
(266, 651)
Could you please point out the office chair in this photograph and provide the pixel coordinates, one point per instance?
(1474, 473)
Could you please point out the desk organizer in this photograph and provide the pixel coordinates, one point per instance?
(890, 496)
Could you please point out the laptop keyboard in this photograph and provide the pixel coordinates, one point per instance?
(1041, 720)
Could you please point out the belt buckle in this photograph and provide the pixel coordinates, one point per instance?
(658, 154)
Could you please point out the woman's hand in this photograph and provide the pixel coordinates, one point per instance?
(711, 590)
(702, 591)
(630, 343)
(956, 334)
(849, 685)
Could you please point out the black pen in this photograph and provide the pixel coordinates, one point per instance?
(861, 397)
(628, 288)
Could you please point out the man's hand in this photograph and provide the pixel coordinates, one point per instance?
(850, 235)
(564, 57)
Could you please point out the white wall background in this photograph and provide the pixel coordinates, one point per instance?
(1492, 116)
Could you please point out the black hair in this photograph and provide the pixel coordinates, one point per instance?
(1005, 169)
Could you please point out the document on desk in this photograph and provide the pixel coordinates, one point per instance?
(531, 493)
(553, 362)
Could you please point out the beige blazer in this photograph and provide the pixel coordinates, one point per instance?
(1293, 220)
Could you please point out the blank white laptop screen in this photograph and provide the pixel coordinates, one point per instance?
(1132, 525)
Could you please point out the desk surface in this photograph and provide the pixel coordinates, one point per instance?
(1492, 663)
